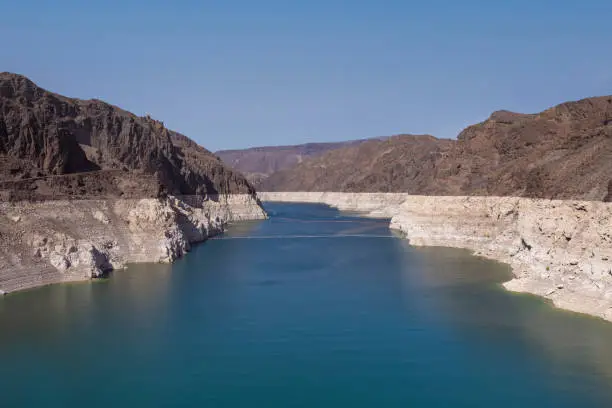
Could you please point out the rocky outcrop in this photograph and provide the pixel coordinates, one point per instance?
(57, 241)
(86, 187)
(558, 249)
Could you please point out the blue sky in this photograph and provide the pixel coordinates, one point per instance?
(235, 74)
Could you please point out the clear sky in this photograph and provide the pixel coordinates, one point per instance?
(238, 73)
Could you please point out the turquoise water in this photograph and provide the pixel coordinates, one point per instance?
(353, 318)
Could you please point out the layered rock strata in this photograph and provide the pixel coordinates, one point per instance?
(70, 240)
(558, 249)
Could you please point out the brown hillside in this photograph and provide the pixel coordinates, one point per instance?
(258, 163)
(563, 152)
(44, 135)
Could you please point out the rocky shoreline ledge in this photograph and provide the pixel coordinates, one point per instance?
(73, 240)
(376, 205)
(558, 249)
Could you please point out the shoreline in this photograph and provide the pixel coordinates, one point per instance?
(43, 243)
(560, 250)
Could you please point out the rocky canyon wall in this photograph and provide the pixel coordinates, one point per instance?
(69, 240)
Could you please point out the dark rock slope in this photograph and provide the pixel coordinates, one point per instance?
(563, 152)
(54, 146)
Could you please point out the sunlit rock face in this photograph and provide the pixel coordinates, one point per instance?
(86, 187)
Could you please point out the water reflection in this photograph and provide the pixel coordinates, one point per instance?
(54, 313)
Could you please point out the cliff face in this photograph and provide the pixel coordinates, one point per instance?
(558, 249)
(86, 187)
(564, 153)
(69, 240)
(43, 134)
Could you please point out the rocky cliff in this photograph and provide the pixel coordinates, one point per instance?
(44, 136)
(86, 187)
(558, 249)
(563, 153)
(68, 240)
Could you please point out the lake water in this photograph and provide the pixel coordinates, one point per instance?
(311, 308)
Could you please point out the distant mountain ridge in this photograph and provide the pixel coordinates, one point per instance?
(388, 165)
(564, 152)
(257, 163)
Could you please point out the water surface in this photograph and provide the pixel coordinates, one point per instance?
(315, 309)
